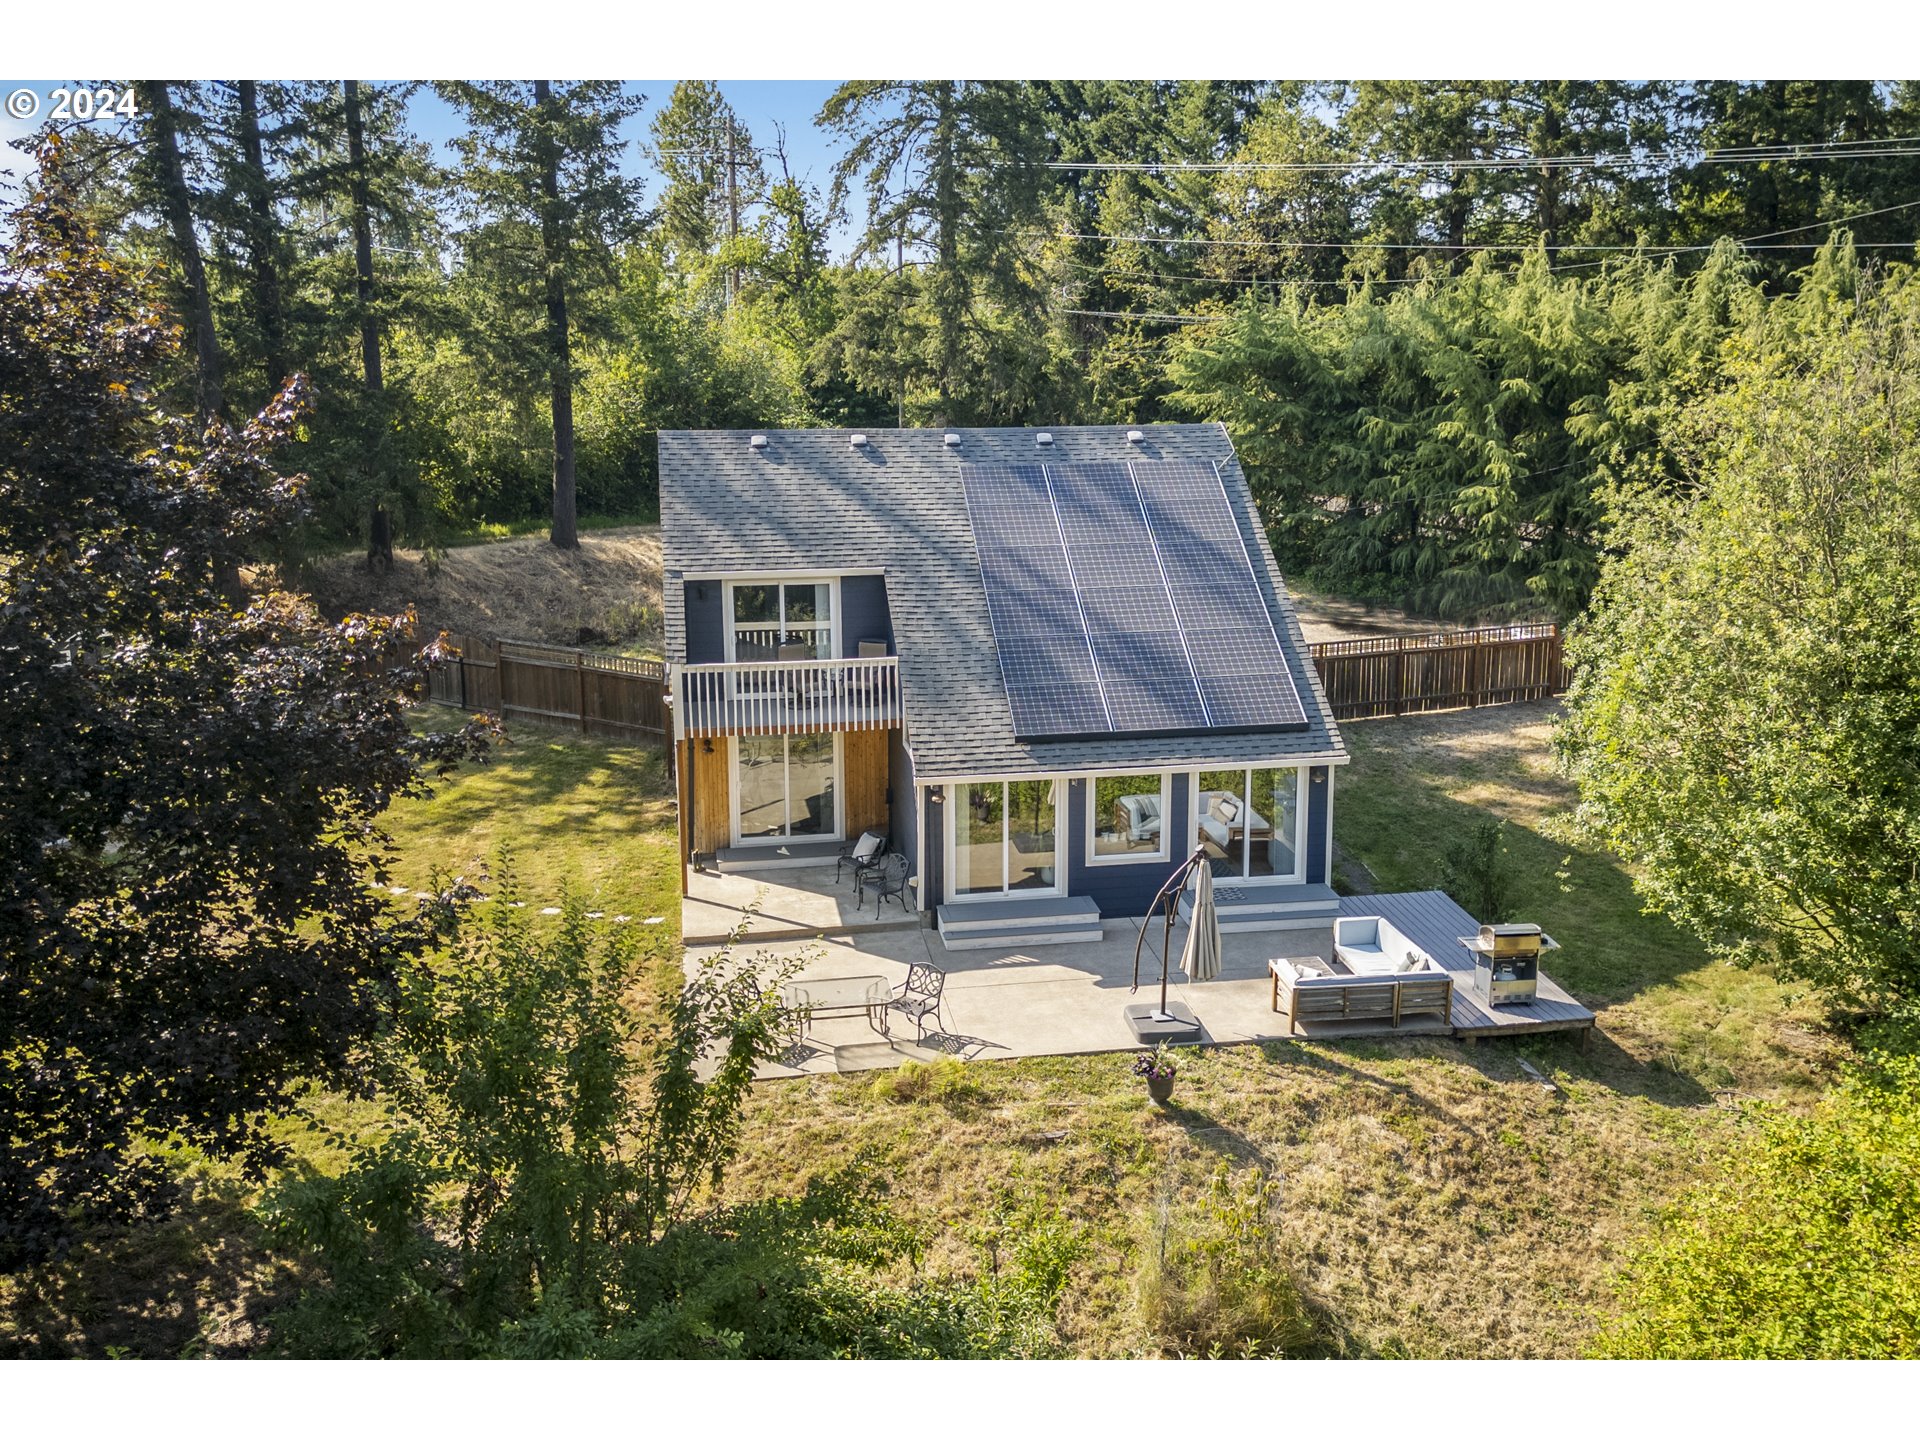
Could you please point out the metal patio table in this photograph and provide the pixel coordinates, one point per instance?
(839, 996)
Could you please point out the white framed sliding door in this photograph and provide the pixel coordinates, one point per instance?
(786, 787)
(1003, 838)
(1252, 823)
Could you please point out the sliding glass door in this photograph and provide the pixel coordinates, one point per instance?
(786, 787)
(1003, 838)
(1252, 823)
(780, 620)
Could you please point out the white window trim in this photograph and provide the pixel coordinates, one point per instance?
(839, 796)
(1302, 809)
(837, 650)
(1131, 857)
(950, 825)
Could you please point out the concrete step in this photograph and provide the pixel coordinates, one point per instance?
(992, 914)
(1273, 907)
(1049, 920)
(1013, 937)
(789, 854)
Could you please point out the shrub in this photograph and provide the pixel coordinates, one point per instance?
(1474, 871)
(946, 1081)
(548, 1185)
(1806, 1245)
(1214, 1281)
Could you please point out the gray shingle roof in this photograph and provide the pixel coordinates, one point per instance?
(810, 500)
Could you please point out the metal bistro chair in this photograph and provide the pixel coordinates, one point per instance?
(862, 854)
(890, 881)
(920, 996)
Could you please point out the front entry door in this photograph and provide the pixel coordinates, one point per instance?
(1003, 839)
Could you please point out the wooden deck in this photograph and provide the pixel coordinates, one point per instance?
(1433, 922)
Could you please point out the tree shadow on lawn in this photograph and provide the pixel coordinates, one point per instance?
(536, 787)
(195, 1284)
(1498, 1062)
(1397, 816)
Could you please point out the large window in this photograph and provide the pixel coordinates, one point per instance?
(786, 786)
(1251, 822)
(1126, 818)
(1005, 838)
(781, 620)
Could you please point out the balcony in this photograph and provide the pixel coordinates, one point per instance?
(787, 697)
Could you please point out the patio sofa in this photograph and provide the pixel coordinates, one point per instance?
(1138, 818)
(1377, 973)
(1371, 945)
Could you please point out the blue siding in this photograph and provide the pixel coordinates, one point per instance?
(932, 884)
(1319, 816)
(706, 622)
(863, 612)
(903, 801)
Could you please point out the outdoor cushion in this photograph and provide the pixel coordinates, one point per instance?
(1226, 807)
(1143, 816)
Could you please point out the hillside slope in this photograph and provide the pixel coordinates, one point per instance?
(605, 595)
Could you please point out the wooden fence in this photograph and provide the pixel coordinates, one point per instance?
(1446, 670)
(611, 695)
(625, 699)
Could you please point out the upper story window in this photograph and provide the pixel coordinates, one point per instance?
(782, 620)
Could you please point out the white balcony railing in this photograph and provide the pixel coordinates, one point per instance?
(785, 697)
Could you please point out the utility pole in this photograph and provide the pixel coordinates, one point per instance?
(733, 210)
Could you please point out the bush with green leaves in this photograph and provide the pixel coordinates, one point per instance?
(547, 1182)
(1475, 872)
(1806, 1245)
(1744, 718)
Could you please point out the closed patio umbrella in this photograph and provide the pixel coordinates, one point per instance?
(1201, 958)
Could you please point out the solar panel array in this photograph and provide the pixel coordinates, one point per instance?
(1124, 601)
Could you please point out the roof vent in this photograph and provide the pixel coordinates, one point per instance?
(859, 442)
(952, 438)
(1136, 437)
(757, 442)
(1045, 437)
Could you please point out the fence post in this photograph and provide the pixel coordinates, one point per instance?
(580, 670)
(1400, 676)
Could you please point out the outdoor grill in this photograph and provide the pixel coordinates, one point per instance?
(1506, 963)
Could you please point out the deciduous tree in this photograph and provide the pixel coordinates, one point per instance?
(190, 780)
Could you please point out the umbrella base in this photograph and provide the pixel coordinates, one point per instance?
(1176, 1025)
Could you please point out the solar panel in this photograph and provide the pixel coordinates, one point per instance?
(1123, 601)
(1236, 653)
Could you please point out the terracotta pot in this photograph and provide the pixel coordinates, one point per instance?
(1160, 1087)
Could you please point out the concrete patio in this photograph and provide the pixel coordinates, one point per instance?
(1060, 999)
(1051, 1000)
(792, 902)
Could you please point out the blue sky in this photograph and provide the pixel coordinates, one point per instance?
(765, 106)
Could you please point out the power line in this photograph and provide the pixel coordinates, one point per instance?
(1743, 242)
(1890, 147)
(1422, 244)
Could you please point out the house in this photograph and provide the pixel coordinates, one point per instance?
(1048, 664)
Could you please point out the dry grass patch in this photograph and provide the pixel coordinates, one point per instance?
(604, 595)
(1433, 1201)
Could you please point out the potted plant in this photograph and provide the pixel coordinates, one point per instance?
(1157, 1065)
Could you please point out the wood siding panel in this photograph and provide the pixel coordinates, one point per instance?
(866, 770)
(712, 816)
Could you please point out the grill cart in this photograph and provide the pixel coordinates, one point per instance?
(1506, 962)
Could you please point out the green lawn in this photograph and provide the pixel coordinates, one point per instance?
(1435, 1200)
